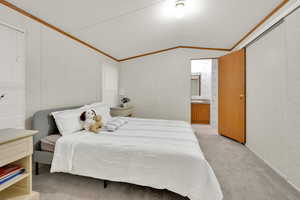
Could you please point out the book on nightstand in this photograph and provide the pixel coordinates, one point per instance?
(9, 172)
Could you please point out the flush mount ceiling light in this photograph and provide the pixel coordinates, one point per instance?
(179, 5)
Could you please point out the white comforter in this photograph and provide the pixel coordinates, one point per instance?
(157, 153)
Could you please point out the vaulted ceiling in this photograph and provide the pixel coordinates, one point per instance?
(125, 28)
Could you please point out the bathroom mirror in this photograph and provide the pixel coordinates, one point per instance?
(196, 85)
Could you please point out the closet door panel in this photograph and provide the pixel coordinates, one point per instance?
(293, 67)
(266, 88)
(292, 139)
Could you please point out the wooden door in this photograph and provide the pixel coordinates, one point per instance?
(232, 96)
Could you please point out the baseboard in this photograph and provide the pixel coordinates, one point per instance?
(276, 170)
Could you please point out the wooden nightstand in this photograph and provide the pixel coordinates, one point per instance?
(121, 112)
(16, 148)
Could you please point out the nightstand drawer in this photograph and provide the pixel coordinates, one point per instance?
(15, 150)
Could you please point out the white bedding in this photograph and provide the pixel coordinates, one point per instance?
(157, 153)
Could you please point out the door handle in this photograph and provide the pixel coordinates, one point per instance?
(242, 96)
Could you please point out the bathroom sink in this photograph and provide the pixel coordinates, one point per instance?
(201, 101)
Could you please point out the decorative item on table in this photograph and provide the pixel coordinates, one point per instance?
(124, 101)
(9, 172)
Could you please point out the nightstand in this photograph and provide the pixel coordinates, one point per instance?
(16, 148)
(121, 112)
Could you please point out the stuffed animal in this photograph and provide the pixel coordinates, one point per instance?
(91, 121)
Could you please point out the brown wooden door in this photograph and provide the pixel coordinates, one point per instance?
(232, 96)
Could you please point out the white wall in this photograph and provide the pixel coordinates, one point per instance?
(59, 71)
(159, 85)
(110, 82)
(273, 98)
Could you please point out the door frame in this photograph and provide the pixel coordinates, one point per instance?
(190, 104)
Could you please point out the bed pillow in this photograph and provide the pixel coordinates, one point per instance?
(48, 143)
(101, 109)
(68, 121)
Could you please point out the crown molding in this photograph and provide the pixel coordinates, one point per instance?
(204, 48)
(27, 14)
(283, 3)
(172, 48)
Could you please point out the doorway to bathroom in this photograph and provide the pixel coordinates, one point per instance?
(204, 92)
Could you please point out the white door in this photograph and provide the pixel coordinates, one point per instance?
(12, 78)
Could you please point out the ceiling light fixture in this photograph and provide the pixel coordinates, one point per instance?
(179, 5)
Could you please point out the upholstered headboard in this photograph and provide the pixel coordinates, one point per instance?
(45, 124)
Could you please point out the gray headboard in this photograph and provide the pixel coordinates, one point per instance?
(45, 124)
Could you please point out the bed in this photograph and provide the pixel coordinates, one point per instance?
(161, 154)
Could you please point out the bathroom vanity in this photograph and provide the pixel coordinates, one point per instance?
(200, 112)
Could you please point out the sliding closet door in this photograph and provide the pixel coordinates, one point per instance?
(12, 78)
(232, 96)
(273, 97)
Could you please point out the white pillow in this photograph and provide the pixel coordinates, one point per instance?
(68, 121)
(101, 109)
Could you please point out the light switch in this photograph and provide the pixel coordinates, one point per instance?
(2, 96)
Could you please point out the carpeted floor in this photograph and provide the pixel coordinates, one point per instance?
(241, 174)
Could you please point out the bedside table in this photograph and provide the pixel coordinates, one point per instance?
(121, 112)
(16, 147)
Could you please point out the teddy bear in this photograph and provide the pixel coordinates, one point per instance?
(91, 121)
